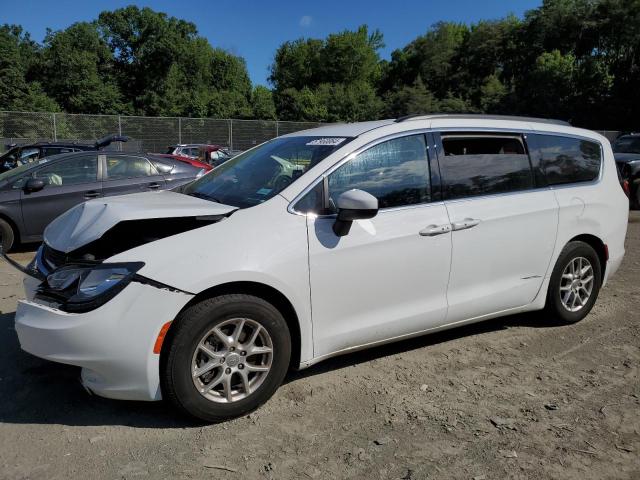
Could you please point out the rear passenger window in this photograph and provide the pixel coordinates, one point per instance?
(484, 165)
(565, 159)
(396, 172)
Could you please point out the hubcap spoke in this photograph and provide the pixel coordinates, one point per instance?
(226, 388)
(207, 367)
(244, 375)
(210, 353)
(238, 331)
(258, 350)
(224, 338)
(213, 383)
(256, 368)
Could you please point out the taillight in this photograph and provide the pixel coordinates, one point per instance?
(625, 188)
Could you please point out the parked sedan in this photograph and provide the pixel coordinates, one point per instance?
(191, 161)
(34, 194)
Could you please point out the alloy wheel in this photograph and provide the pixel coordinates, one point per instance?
(232, 360)
(576, 284)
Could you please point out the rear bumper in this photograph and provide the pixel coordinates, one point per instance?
(113, 344)
(613, 264)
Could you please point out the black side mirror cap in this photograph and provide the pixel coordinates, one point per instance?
(34, 185)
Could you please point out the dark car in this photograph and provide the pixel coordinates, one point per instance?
(626, 150)
(17, 155)
(34, 194)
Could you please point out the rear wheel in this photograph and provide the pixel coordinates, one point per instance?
(226, 357)
(7, 237)
(575, 283)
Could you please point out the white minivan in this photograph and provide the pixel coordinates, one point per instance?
(319, 243)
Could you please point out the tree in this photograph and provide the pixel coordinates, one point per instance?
(17, 57)
(78, 71)
(264, 108)
(164, 68)
(408, 100)
(328, 80)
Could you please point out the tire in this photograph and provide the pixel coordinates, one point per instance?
(635, 197)
(562, 286)
(7, 237)
(194, 327)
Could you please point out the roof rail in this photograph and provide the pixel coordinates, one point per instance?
(482, 117)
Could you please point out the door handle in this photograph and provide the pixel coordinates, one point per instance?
(153, 186)
(464, 224)
(91, 194)
(433, 230)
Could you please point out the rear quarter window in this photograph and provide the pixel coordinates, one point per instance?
(562, 160)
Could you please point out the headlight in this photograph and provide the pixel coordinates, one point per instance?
(87, 287)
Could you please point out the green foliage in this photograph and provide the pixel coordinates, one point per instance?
(262, 103)
(77, 67)
(328, 80)
(571, 59)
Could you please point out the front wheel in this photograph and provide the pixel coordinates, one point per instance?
(575, 283)
(226, 357)
(7, 236)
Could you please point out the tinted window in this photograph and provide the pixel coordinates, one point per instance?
(72, 171)
(566, 160)
(48, 151)
(627, 145)
(121, 166)
(396, 172)
(484, 165)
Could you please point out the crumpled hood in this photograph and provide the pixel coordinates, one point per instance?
(88, 221)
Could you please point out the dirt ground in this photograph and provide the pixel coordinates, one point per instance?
(517, 397)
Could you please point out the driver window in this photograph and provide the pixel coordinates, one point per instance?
(396, 172)
(73, 171)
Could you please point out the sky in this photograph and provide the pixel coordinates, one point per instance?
(254, 29)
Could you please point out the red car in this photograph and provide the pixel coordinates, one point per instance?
(189, 160)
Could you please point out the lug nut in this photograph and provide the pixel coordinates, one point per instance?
(227, 371)
(243, 353)
(232, 348)
(241, 366)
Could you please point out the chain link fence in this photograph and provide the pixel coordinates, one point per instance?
(149, 134)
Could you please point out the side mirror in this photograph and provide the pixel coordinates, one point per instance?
(34, 185)
(354, 205)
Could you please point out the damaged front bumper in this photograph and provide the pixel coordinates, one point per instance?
(113, 344)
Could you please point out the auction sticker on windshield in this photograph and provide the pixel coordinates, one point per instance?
(329, 141)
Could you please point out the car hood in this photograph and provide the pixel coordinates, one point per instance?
(89, 221)
(626, 157)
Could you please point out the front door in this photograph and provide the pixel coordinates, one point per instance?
(68, 182)
(387, 277)
(504, 224)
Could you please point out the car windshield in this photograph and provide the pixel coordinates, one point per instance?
(262, 172)
(627, 145)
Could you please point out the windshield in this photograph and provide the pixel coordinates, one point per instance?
(627, 145)
(261, 173)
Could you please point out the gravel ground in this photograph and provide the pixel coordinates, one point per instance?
(517, 397)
